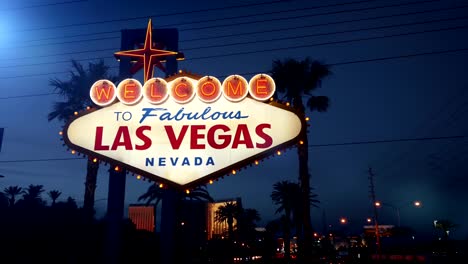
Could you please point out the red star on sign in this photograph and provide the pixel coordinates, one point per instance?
(148, 57)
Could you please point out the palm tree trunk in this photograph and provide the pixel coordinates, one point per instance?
(303, 154)
(287, 236)
(231, 228)
(90, 187)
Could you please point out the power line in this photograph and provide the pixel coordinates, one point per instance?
(39, 160)
(42, 5)
(240, 23)
(386, 141)
(329, 64)
(325, 43)
(179, 13)
(280, 48)
(328, 33)
(211, 20)
(258, 32)
(310, 145)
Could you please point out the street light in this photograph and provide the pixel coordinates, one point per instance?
(343, 220)
(378, 204)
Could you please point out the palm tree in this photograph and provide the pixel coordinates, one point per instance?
(295, 79)
(11, 192)
(153, 195)
(75, 90)
(247, 223)
(228, 212)
(54, 195)
(199, 193)
(32, 195)
(286, 195)
(446, 226)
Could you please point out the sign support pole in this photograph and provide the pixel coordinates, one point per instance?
(115, 211)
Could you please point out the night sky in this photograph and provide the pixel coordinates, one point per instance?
(398, 72)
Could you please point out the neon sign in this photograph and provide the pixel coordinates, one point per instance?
(186, 129)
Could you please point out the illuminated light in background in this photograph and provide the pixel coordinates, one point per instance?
(278, 152)
(95, 160)
(301, 142)
(138, 177)
(75, 113)
(256, 162)
(417, 203)
(161, 185)
(73, 152)
(116, 168)
(343, 220)
(378, 204)
(307, 119)
(187, 191)
(233, 171)
(369, 220)
(61, 133)
(211, 181)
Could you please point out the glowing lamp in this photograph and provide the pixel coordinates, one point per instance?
(138, 177)
(187, 191)
(116, 168)
(278, 152)
(73, 152)
(75, 113)
(256, 162)
(211, 182)
(307, 119)
(95, 160)
(161, 185)
(233, 171)
(301, 142)
(378, 204)
(61, 133)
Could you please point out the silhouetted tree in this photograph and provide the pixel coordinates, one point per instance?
(153, 196)
(11, 192)
(446, 226)
(228, 212)
(296, 79)
(286, 195)
(247, 222)
(75, 90)
(32, 196)
(199, 193)
(54, 195)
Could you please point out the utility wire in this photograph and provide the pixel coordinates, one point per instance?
(276, 39)
(42, 5)
(258, 32)
(329, 64)
(386, 141)
(310, 145)
(236, 24)
(326, 43)
(182, 13)
(210, 20)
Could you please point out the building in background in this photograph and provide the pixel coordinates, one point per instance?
(216, 229)
(142, 216)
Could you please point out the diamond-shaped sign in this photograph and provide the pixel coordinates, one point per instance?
(184, 144)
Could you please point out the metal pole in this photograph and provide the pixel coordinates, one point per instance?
(398, 216)
(377, 232)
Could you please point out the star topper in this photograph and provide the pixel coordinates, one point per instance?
(147, 57)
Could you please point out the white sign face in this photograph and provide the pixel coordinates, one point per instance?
(183, 143)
